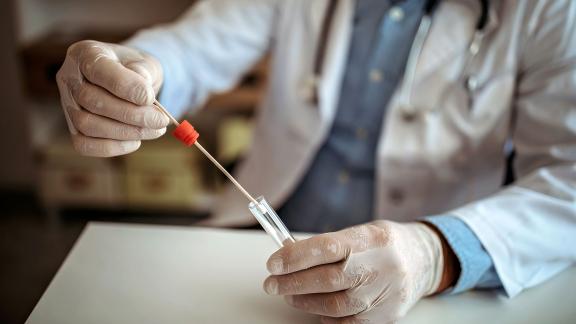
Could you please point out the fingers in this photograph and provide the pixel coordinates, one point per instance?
(351, 276)
(337, 304)
(352, 320)
(66, 98)
(327, 248)
(305, 254)
(102, 67)
(108, 106)
(342, 320)
(92, 125)
(149, 68)
(100, 102)
(100, 147)
(320, 279)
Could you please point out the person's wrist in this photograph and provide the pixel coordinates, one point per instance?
(451, 268)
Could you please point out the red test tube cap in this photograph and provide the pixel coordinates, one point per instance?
(186, 133)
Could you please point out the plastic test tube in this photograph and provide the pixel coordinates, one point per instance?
(270, 221)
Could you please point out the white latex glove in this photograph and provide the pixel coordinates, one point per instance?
(106, 91)
(371, 273)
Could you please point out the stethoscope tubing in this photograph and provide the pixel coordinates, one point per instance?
(415, 51)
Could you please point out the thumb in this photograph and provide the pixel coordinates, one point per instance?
(149, 68)
(103, 65)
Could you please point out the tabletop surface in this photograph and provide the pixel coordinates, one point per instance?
(139, 274)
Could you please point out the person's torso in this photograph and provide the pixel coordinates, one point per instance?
(446, 154)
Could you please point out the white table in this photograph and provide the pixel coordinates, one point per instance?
(138, 274)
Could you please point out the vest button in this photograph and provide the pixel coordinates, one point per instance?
(396, 13)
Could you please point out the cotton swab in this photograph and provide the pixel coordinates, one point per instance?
(259, 207)
(186, 133)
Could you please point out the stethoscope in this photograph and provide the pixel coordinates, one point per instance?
(409, 111)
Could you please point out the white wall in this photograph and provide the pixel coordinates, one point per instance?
(36, 16)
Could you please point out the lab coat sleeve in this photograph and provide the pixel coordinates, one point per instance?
(208, 49)
(529, 228)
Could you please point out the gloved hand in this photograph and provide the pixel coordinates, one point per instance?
(107, 91)
(371, 273)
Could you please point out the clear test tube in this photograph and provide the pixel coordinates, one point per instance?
(270, 221)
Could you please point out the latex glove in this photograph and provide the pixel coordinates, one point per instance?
(106, 91)
(371, 273)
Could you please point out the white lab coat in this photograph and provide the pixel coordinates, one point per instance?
(450, 159)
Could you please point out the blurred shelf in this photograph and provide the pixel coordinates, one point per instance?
(162, 175)
(47, 122)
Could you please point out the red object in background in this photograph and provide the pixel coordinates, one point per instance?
(186, 133)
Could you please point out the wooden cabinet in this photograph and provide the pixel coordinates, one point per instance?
(163, 174)
(67, 179)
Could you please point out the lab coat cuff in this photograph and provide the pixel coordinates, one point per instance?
(475, 263)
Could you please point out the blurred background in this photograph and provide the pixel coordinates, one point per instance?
(47, 191)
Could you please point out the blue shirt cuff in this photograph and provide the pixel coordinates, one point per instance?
(476, 266)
